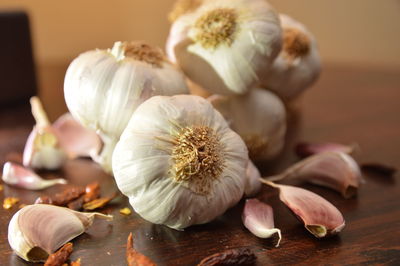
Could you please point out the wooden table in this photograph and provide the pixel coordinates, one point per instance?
(347, 105)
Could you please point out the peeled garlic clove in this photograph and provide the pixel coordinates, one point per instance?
(76, 140)
(102, 88)
(259, 117)
(298, 65)
(42, 149)
(258, 217)
(253, 183)
(335, 170)
(38, 230)
(305, 149)
(319, 216)
(19, 176)
(224, 45)
(179, 162)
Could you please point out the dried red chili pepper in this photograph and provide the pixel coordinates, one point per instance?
(92, 192)
(135, 258)
(98, 203)
(68, 195)
(76, 204)
(239, 256)
(76, 263)
(60, 256)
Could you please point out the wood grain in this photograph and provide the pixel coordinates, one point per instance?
(347, 105)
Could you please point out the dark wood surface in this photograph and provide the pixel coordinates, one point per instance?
(347, 105)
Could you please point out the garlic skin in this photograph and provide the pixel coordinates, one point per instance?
(253, 183)
(19, 176)
(259, 117)
(76, 140)
(297, 66)
(102, 88)
(42, 149)
(179, 162)
(335, 170)
(38, 230)
(226, 46)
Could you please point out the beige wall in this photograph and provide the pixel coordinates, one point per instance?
(349, 31)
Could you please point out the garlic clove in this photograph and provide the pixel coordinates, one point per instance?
(225, 46)
(335, 170)
(297, 66)
(259, 117)
(305, 149)
(38, 230)
(320, 217)
(258, 217)
(253, 184)
(19, 176)
(42, 149)
(76, 140)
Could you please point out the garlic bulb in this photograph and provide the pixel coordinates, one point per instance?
(179, 162)
(259, 117)
(253, 183)
(298, 65)
(225, 45)
(104, 87)
(38, 230)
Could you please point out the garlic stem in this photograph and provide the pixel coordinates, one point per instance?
(38, 112)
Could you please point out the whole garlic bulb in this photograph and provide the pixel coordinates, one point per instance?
(104, 87)
(179, 162)
(298, 65)
(259, 117)
(225, 45)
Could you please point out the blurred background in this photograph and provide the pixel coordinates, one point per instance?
(356, 33)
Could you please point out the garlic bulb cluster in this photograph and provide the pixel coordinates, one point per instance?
(225, 46)
(104, 87)
(259, 117)
(179, 162)
(38, 230)
(298, 65)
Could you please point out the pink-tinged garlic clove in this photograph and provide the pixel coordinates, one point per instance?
(19, 176)
(38, 230)
(305, 149)
(335, 170)
(253, 184)
(320, 217)
(75, 139)
(258, 217)
(42, 149)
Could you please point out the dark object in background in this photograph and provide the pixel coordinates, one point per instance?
(17, 71)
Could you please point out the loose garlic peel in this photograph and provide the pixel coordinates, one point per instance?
(38, 230)
(180, 149)
(224, 45)
(297, 66)
(104, 87)
(259, 117)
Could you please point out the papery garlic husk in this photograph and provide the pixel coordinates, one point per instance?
(179, 162)
(103, 88)
(42, 149)
(19, 176)
(225, 46)
(335, 170)
(253, 183)
(305, 149)
(298, 65)
(259, 117)
(258, 217)
(320, 217)
(76, 140)
(38, 230)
